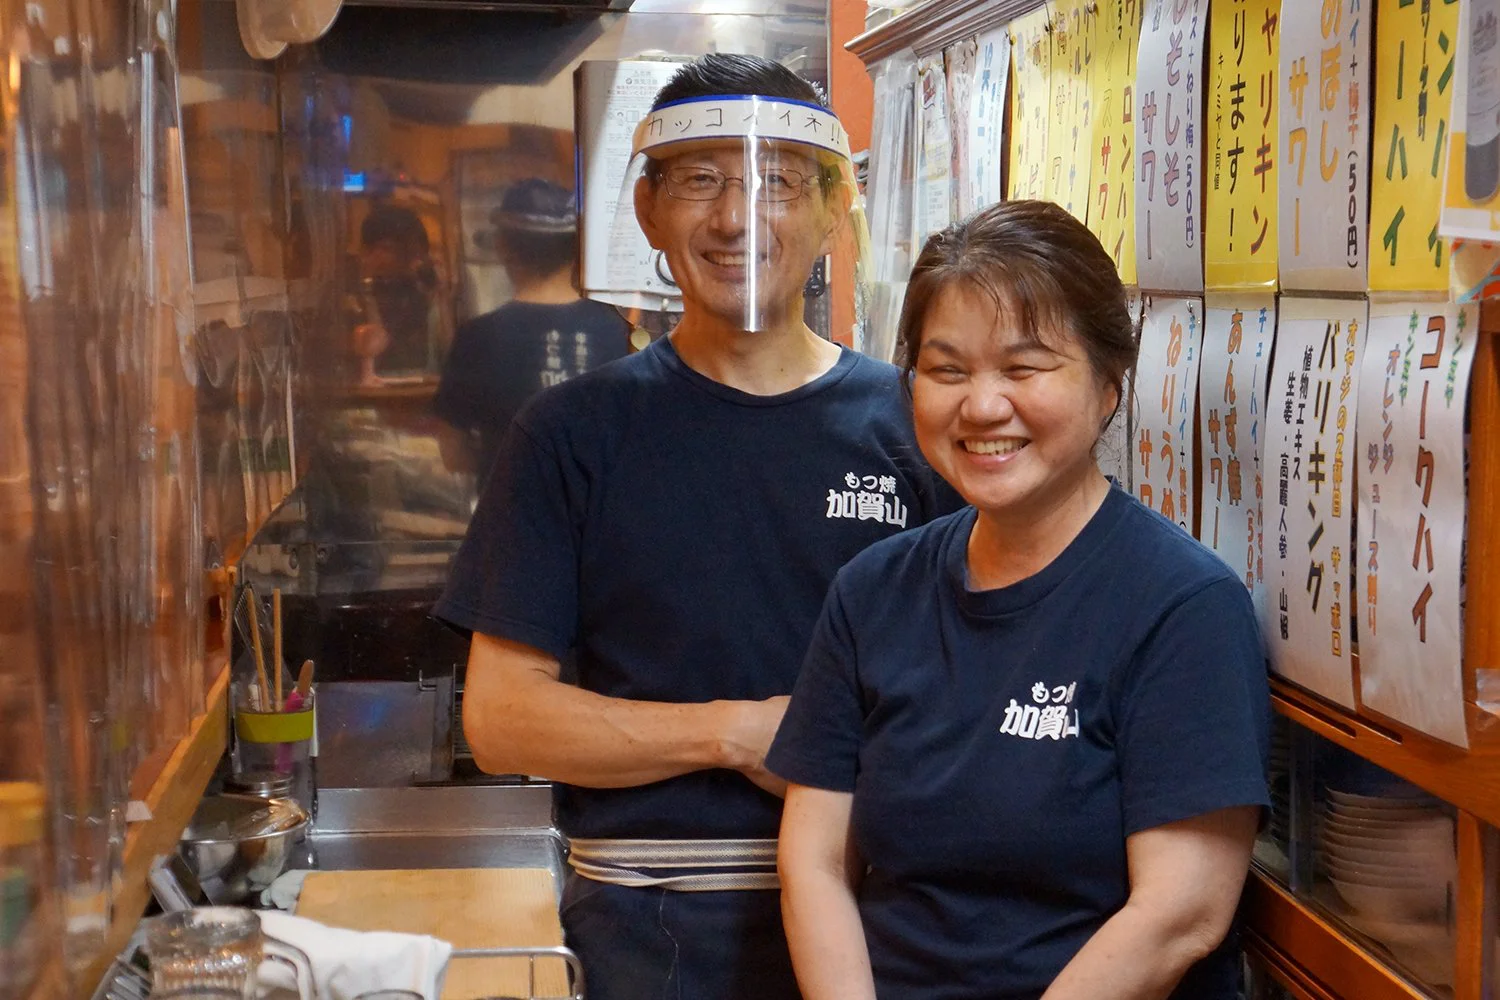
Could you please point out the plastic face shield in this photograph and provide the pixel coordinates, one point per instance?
(738, 199)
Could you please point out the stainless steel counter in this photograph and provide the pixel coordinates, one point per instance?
(479, 826)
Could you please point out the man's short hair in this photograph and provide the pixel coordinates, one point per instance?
(728, 74)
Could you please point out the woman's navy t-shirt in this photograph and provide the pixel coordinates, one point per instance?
(1001, 745)
(678, 536)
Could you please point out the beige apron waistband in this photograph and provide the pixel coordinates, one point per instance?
(628, 863)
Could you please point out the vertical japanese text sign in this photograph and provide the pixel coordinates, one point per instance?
(1240, 220)
(1415, 45)
(1309, 456)
(1325, 127)
(1031, 60)
(1163, 420)
(1237, 337)
(1168, 140)
(1073, 53)
(987, 123)
(1111, 209)
(1413, 394)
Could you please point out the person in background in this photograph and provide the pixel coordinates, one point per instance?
(672, 521)
(393, 309)
(543, 336)
(1027, 750)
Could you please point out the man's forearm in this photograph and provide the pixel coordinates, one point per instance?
(560, 732)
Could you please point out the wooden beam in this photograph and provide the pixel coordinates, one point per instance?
(172, 799)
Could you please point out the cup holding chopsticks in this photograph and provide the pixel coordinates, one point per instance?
(275, 712)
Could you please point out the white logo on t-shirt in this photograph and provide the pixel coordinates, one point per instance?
(555, 371)
(867, 498)
(1046, 716)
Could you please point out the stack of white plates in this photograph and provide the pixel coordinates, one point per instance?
(1393, 861)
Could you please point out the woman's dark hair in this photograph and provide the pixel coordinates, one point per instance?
(1037, 263)
(728, 74)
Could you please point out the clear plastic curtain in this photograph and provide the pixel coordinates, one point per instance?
(104, 314)
(889, 195)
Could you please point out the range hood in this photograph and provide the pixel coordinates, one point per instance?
(268, 26)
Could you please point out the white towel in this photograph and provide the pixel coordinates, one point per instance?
(348, 963)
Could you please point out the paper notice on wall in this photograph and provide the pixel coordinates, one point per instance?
(1309, 458)
(618, 264)
(1324, 142)
(1169, 146)
(934, 151)
(985, 149)
(1031, 87)
(1415, 49)
(1413, 394)
(1237, 335)
(1070, 125)
(1239, 233)
(960, 65)
(1112, 200)
(1471, 192)
(1166, 393)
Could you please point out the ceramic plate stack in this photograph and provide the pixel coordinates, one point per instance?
(1270, 849)
(1392, 859)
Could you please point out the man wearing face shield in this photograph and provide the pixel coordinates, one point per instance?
(672, 522)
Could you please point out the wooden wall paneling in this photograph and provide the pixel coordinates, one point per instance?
(1473, 894)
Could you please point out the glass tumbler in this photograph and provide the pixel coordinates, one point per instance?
(217, 947)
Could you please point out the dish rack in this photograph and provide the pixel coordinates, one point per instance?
(126, 981)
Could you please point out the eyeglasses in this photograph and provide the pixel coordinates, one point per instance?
(776, 184)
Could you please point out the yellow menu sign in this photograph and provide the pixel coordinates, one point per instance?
(1069, 128)
(1031, 71)
(1112, 198)
(1416, 45)
(1239, 249)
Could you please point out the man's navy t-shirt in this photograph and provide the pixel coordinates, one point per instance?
(679, 536)
(1001, 745)
(501, 359)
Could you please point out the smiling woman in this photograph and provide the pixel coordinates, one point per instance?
(1017, 336)
(1029, 738)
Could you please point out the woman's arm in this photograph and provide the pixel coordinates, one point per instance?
(1185, 883)
(819, 871)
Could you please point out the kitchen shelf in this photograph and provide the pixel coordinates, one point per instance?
(1293, 937)
(171, 796)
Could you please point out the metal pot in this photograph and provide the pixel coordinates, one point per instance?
(237, 845)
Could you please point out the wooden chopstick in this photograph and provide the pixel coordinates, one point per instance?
(276, 644)
(263, 689)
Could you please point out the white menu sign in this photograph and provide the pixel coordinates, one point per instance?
(986, 146)
(1166, 390)
(1169, 146)
(1237, 337)
(618, 263)
(1323, 227)
(1414, 386)
(934, 150)
(1309, 504)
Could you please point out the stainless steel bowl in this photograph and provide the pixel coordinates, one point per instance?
(237, 845)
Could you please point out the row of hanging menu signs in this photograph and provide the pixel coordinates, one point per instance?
(1310, 239)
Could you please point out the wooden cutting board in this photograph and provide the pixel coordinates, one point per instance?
(467, 907)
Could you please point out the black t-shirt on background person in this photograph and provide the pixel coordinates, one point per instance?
(501, 359)
(1001, 745)
(679, 536)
